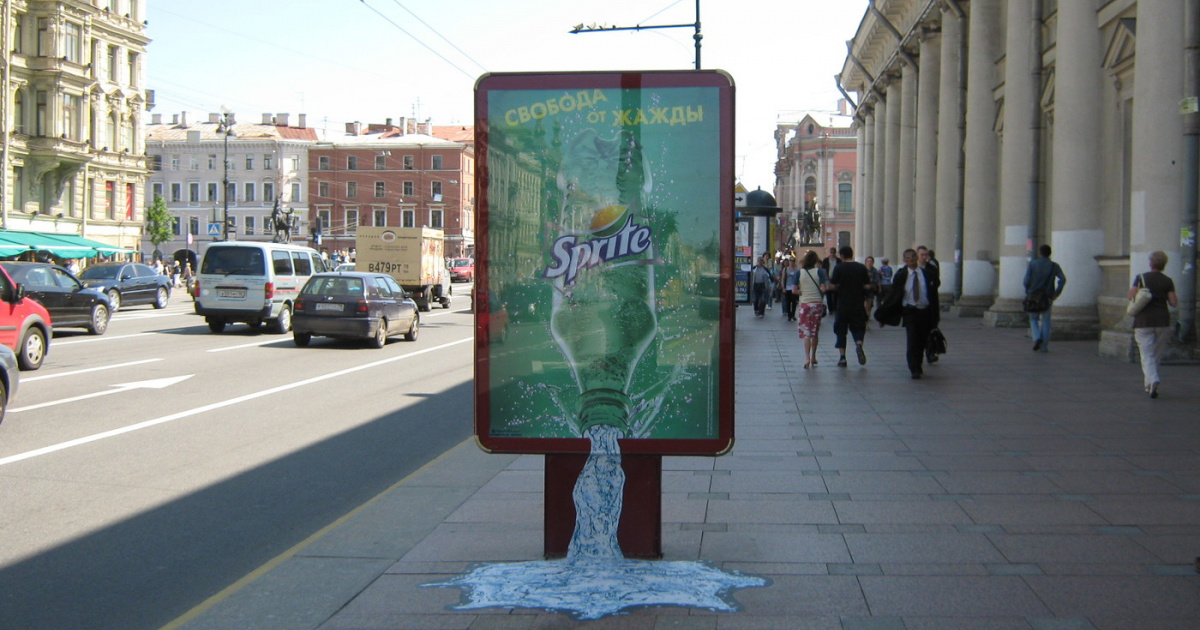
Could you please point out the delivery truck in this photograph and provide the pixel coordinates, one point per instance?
(415, 257)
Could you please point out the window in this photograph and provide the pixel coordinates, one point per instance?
(156, 162)
(72, 42)
(295, 160)
(44, 45)
(133, 69)
(249, 227)
(113, 55)
(231, 192)
(408, 162)
(408, 217)
(193, 225)
(194, 163)
(110, 197)
(156, 189)
(268, 191)
(194, 193)
(267, 162)
(303, 264)
(18, 44)
(322, 221)
(323, 163)
(112, 136)
(19, 112)
(249, 162)
(72, 121)
(381, 162)
(40, 122)
(437, 162)
(323, 189)
(174, 162)
(282, 262)
(212, 161)
(845, 198)
(296, 192)
(212, 192)
(176, 226)
(380, 190)
(380, 218)
(351, 163)
(351, 190)
(249, 195)
(176, 192)
(408, 189)
(435, 217)
(435, 189)
(351, 222)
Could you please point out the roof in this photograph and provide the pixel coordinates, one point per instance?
(386, 139)
(455, 133)
(168, 132)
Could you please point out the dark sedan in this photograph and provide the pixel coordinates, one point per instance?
(128, 283)
(353, 305)
(71, 305)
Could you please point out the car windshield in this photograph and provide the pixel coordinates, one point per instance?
(461, 262)
(233, 260)
(334, 286)
(100, 273)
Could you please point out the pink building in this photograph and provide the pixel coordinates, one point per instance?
(815, 179)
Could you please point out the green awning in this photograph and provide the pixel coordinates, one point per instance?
(13, 243)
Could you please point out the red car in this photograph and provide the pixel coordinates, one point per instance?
(24, 324)
(461, 269)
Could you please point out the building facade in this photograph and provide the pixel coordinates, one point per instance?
(815, 175)
(265, 164)
(73, 93)
(393, 175)
(987, 128)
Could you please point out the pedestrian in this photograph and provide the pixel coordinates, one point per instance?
(811, 283)
(913, 301)
(186, 275)
(790, 298)
(73, 267)
(1046, 277)
(760, 276)
(829, 264)
(934, 261)
(885, 277)
(1151, 325)
(850, 279)
(875, 287)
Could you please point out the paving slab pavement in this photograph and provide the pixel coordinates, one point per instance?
(1006, 490)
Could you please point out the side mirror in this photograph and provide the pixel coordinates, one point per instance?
(18, 292)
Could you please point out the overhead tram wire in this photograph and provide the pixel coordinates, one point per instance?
(416, 39)
(435, 32)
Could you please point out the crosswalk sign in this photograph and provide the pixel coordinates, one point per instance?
(214, 229)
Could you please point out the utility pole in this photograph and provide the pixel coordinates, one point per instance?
(225, 128)
(580, 28)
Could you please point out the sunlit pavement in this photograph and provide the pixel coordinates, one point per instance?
(1007, 489)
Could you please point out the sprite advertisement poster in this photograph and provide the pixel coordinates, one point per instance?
(604, 260)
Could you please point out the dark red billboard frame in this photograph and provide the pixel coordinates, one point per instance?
(725, 344)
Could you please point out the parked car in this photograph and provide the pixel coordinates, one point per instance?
(344, 267)
(461, 269)
(24, 324)
(71, 305)
(10, 377)
(354, 305)
(127, 284)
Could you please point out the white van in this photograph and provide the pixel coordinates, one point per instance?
(254, 283)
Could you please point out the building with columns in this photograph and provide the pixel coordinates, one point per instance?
(989, 127)
(815, 177)
(72, 94)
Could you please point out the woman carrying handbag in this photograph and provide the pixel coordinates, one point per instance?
(810, 286)
(1152, 324)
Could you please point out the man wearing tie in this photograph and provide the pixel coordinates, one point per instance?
(914, 295)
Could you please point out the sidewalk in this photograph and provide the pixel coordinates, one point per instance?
(1006, 490)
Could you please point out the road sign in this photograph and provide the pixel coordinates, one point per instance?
(214, 229)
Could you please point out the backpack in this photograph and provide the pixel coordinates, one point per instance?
(761, 275)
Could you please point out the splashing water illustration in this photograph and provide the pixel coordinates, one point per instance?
(595, 580)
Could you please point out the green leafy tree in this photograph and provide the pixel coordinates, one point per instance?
(159, 222)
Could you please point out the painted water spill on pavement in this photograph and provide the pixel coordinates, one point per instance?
(595, 580)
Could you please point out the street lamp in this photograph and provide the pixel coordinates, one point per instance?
(225, 129)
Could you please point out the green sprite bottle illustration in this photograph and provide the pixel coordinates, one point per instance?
(601, 266)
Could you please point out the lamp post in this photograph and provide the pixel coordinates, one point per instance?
(225, 129)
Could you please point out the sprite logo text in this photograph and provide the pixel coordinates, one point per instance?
(571, 256)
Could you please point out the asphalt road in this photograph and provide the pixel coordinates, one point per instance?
(143, 471)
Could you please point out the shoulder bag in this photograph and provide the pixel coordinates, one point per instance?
(1140, 299)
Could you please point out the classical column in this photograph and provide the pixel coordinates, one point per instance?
(907, 155)
(879, 180)
(949, 154)
(981, 180)
(927, 121)
(1076, 233)
(891, 171)
(1022, 99)
(864, 128)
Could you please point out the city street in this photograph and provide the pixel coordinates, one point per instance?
(144, 470)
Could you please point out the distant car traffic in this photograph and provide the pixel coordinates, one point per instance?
(71, 305)
(10, 377)
(129, 283)
(354, 305)
(461, 269)
(24, 324)
(344, 267)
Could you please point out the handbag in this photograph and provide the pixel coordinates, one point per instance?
(1036, 301)
(1140, 299)
(936, 343)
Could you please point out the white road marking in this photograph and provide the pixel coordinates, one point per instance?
(157, 383)
(42, 377)
(71, 342)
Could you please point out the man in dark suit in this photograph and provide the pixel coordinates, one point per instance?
(914, 299)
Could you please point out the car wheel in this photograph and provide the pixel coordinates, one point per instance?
(99, 320)
(33, 349)
(301, 339)
(283, 323)
(3, 400)
(411, 335)
(216, 325)
(380, 338)
(114, 300)
(160, 298)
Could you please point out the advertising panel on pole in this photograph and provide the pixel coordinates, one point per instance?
(604, 262)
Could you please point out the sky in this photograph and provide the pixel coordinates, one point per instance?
(368, 60)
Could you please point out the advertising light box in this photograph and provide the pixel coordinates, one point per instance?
(604, 271)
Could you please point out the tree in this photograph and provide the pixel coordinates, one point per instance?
(159, 222)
